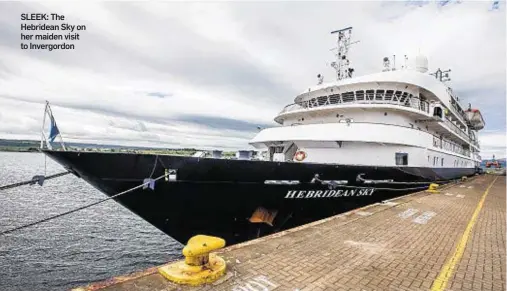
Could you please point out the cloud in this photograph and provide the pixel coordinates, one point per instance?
(208, 74)
(493, 143)
(159, 94)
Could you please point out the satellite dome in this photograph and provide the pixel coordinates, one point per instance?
(421, 63)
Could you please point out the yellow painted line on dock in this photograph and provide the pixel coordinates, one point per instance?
(445, 274)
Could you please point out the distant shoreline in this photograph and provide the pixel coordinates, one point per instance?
(7, 145)
(19, 150)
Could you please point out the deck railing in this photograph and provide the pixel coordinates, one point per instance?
(388, 97)
(398, 98)
(460, 132)
(450, 146)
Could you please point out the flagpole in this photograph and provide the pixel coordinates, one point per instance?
(43, 136)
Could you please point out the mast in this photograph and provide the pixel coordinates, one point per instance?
(442, 76)
(342, 63)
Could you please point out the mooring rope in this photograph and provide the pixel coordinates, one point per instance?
(408, 183)
(76, 209)
(154, 166)
(33, 180)
(386, 189)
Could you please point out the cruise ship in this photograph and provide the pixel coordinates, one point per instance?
(339, 146)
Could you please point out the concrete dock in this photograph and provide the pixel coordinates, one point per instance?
(452, 240)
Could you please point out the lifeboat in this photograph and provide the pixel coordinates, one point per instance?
(474, 118)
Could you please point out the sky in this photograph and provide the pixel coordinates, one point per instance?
(208, 74)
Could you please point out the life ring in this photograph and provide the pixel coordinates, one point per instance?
(299, 156)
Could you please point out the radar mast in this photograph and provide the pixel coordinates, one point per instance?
(342, 63)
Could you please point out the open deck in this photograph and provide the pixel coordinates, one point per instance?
(454, 240)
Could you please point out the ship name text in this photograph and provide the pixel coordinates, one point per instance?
(301, 194)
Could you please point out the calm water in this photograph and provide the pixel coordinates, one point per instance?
(94, 244)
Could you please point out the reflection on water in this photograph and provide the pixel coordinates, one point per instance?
(94, 244)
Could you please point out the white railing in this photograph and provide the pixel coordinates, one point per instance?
(450, 146)
(460, 132)
(398, 98)
(457, 111)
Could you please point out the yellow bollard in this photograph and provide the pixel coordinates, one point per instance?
(200, 267)
(433, 188)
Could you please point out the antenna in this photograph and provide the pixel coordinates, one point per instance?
(387, 65)
(442, 76)
(320, 79)
(342, 63)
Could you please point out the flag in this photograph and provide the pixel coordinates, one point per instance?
(53, 132)
(53, 129)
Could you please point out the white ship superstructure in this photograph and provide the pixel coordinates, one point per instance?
(394, 118)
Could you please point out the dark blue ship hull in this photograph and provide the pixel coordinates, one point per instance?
(241, 199)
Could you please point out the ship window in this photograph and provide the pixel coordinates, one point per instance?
(348, 97)
(360, 95)
(322, 100)
(408, 100)
(437, 112)
(311, 103)
(404, 97)
(398, 96)
(401, 158)
(434, 161)
(334, 99)
(389, 95)
(442, 162)
(370, 94)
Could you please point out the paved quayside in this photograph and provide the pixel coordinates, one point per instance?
(453, 240)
